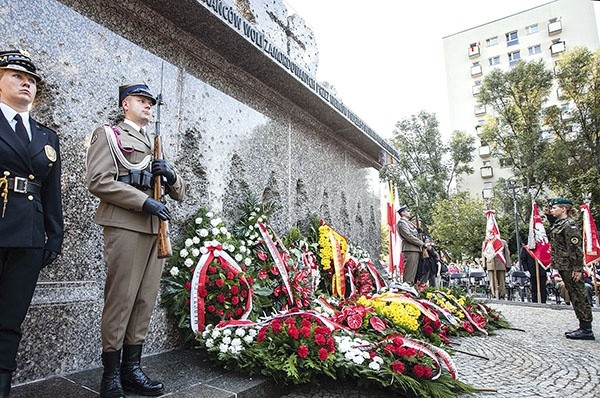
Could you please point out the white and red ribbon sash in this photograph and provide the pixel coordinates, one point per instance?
(197, 304)
(379, 281)
(591, 247)
(279, 263)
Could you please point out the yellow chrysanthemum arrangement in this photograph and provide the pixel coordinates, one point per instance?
(325, 248)
(404, 315)
(448, 303)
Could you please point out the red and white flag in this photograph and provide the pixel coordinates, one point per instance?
(492, 246)
(591, 247)
(538, 245)
(395, 261)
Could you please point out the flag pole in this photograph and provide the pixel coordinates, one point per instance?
(497, 282)
(537, 278)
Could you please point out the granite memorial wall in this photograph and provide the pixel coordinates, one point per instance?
(242, 112)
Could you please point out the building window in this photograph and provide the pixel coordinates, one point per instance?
(535, 49)
(512, 38)
(473, 50)
(492, 41)
(487, 163)
(494, 60)
(557, 47)
(487, 185)
(514, 57)
(532, 29)
(476, 69)
(554, 26)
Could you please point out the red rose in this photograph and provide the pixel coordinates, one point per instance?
(276, 328)
(427, 330)
(230, 275)
(220, 313)
(244, 293)
(302, 351)
(323, 354)
(235, 300)
(304, 331)
(238, 311)
(290, 321)
(320, 340)
(188, 285)
(211, 308)
(235, 289)
(293, 332)
(219, 282)
(398, 367)
(418, 371)
(221, 298)
(228, 315)
(212, 270)
(262, 255)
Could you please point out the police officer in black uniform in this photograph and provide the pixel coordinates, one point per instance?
(31, 220)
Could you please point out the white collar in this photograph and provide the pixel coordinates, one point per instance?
(9, 114)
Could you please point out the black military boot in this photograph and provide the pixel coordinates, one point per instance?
(110, 387)
(583, 333)
(5, 384)
(133, 377)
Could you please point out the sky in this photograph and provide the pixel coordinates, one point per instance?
(385, 58)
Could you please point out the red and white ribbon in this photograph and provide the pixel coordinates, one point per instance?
(197, 304)
(277, 258)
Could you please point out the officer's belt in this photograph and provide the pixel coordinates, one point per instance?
(23, 185)
(134, 182)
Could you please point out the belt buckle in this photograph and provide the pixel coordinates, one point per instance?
(20, 185)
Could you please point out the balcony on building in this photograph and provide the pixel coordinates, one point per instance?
(558, 47)
(480, 110)
(476, 89)
(554, 27)
(476, 70)
(474, 50)
(486, 171)
(487, 193)
(560, 94)
(485, 151)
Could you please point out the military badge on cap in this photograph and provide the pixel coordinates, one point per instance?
(575, 240)
(50, 153)
(18, 60)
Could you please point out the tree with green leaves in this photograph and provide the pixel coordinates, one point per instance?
(515, 132)
(576, 127)
(426, 166)
(458, 225)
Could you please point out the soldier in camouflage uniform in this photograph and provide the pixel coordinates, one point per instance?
(567, 258)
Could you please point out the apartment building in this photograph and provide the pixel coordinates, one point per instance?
(544, 32)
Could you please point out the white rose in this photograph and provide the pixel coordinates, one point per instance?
(188, 262)
(223, 348)
(203, 250)
(226, 340)
(374, 365)
(195, 252)
(248, 339)
(242, 249)
(196, 240)
(210, 343)
(223, 230)
(358, 359)
(215, 231)
(188, 242)
(198, 221)
(247, 261)
(227, 332)
(183, 253)
(238, 257)
(215, 222)
(241, 332)
(203, 232)
(209, 214)
(215, 334)
(174, 271)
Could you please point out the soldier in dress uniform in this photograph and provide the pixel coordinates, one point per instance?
(121, 171)
(31, 218)
(567, 258)
(412, 245)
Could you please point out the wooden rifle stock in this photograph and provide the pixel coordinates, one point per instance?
(163, 241)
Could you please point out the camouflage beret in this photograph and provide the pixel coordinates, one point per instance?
(560, 201)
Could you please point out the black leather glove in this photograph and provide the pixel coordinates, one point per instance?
(162, 168)
(48, 257)
(156, 208)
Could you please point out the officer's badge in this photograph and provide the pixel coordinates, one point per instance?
(50, 153)
(575, 240)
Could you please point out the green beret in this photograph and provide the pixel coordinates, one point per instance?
(560, 201)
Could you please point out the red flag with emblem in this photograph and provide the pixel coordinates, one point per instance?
(537, 241)
(395, 260)
(492, 246)
(591, 247)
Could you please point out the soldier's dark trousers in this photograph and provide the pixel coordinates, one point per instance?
(577, 293)
(19, 270)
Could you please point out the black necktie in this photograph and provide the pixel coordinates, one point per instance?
(21, 130)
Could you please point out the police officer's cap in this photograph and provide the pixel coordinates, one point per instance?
(403, 209)
(560, 201)
(140, 89)
(18, 60)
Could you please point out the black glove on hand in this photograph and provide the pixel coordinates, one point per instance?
(162, 168)
(156, 208)
(48, 257)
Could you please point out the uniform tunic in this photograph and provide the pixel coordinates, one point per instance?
(130, 243)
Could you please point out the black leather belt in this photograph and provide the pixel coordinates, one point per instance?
(23, 185)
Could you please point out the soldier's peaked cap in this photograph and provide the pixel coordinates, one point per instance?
(18, 60)
(403, 208)
(140, 89)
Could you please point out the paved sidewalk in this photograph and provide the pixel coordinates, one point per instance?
(538, 362)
